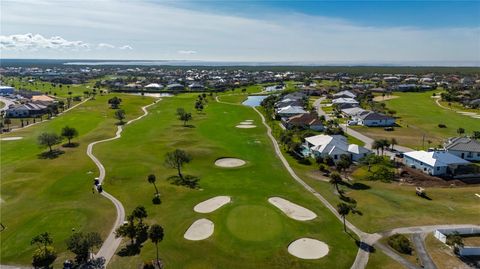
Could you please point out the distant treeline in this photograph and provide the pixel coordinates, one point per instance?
(355, 70)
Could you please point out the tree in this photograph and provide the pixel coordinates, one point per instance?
(476, 135)
(152, 180)
(7, 122)
(400, 243)
(344, 163)
(344, 209)
(69, 133)
(114, 102)
(48, 140)
(45, 254)
(82, 244)
(336, 179)
(140, 213)
(176, 159)
(376, 145)
(156, 235)
(393, 142)
(120, 115)
(456, 240)
(185, 117)
(127, 229)
(460, 131)
(180, 111)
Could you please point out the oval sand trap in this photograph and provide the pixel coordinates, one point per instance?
(199, 230)
(212, 204)
(245, 123)
(229, 162)
(245, 126)
(308, 248)
(292, 210)
(12, 138)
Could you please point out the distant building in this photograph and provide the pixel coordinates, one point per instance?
(154, 86)
(345, 94)
(196, 87)
(303, 121)
(26, 110)
(289, 111)
(464, 147)
(435, 163)
(175, 87)
(6, 90)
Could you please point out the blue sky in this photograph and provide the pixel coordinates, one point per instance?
(372, 13)
(350, 32)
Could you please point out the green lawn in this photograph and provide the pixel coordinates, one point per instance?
(60, 91)
(2, 104)
(249, 232)
(419, 116)
(55, 195)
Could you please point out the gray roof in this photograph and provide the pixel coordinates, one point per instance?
(463, 144)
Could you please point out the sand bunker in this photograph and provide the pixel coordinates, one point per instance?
(245, 126)
(292, 210)
(308, 248)
(245, 123)
(199, 230)
(11, 138)
(212, 204)
(229, 162)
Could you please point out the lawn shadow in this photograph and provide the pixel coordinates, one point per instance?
(51, 154)
(187, 181)
(120, 123)
(129, 250)
(364, 246)
(356, 185)
(71, 145)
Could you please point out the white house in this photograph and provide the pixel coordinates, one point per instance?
(289, 111)
(371, 119)
(435, 163)
(333, 146)
(342, 100)
(464, 147)
(154, 86)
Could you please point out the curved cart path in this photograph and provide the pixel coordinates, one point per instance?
(111, 244)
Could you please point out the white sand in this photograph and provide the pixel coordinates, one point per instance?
(212, 204)
(11, 138)
(244, 126)
(249, 120)
(229, 162)
(307, 248)
(199, 230)
(292, 210)
(245, 123)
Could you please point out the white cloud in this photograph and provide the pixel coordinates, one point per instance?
(105, 46)
(186, 52)
(33, 42)
(126, 47)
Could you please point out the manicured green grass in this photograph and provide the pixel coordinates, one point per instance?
(249, 232)
(419, 116)
(55, 195)
(378, 259)
(60, 91)
(235, 99)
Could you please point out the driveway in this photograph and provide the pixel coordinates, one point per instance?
(7, 102)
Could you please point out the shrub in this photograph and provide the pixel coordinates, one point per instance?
(323, 167)
(305, 161)
(148, 265)
(441, 125)
(44, 257)
(156, 200)
(400, 243)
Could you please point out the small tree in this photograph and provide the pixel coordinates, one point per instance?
(344, 209)
(460, 131)
(176, 159)
(45, 254)
(185, 117)
(156, 235)
(456, 240)
(400, 243)
(49, 140)
(120, 115)
(393, 142)
(82, 244)
(69, 133)
(140, 213)
(114, 102)
(7, 122)
(127, 229)
(152, 180)
(335, 179)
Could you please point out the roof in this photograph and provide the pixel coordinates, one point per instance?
(322, 143)
(346, 93)
(307, 118)
(42, 97)
(370, 115)
(344, 101)
(463, 144)
(154, 85)
(291, 110)
(435, 158)
(353, 110)
(356, 149)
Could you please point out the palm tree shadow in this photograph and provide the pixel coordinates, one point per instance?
(51, 154)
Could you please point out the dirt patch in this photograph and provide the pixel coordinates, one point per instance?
(230, 162)
(308, 249)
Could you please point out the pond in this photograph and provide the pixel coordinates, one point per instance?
(254, 100)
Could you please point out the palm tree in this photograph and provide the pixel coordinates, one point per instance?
(376, 145)
(393, 142)
(156, 235)
(152, 179)
(335, 179)
(343, 209)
